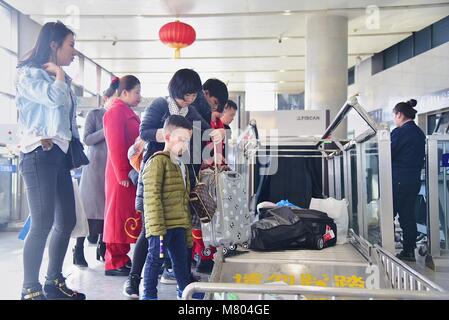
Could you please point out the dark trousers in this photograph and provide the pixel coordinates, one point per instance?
(49, 190)
(175, 243)
(404, 198)
(141, 251)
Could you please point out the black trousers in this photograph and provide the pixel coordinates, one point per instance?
(404, 198)
(49, 190)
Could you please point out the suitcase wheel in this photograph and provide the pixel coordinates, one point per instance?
(207, 252)
(319, 243)
(225, 251)
(422, 251)
(232, 247)
(245, 245)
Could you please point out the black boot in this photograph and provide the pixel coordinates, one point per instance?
(35, 293)
(101, 250)
(78, 257)
(57, 290)
(407, 255)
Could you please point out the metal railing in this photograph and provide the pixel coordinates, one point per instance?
(401, 276)
(299, 292)
(406, 283)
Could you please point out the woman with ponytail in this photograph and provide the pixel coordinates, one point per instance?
(408, 156)
(92, 178)
(121, 221)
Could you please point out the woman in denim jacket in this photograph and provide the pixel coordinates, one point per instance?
(47, 123)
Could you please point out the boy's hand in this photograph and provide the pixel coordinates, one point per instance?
(124, 183)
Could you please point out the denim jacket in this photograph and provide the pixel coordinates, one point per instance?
(44, 104)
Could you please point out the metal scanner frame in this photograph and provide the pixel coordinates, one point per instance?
(398, 281)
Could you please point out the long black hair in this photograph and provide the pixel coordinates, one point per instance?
(406, 108)
(41, 53)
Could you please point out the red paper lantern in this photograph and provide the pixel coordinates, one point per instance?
(177, 35)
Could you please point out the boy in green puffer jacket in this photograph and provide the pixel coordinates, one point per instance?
(166, 207)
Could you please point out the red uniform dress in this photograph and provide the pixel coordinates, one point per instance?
(121, 221)
(198, 244)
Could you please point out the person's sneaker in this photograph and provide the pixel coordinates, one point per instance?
(33, 294)
(168, 277)
(131, 286)
(57, 290)
(205, 266)
(406, 255)
(195, 296)
(194, 278)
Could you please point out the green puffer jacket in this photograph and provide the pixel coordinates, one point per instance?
(166, 200)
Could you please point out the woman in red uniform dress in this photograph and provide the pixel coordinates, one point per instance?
(121, 224)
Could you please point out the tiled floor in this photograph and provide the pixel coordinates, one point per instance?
(90, 281)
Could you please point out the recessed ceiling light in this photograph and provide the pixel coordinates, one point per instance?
(287, 12)
(281, 81)
(282, 70)
(283, 57)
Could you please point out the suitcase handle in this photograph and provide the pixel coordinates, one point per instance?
(233, 175)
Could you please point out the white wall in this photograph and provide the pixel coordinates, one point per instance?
(416, 78)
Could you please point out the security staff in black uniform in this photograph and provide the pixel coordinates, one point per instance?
(408, 156)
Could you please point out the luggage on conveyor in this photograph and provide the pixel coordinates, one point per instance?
(290, 228)
(231, 224)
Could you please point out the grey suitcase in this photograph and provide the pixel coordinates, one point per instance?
(231, 224)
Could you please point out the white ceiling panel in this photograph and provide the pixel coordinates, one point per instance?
(237, 40)
(186, 7)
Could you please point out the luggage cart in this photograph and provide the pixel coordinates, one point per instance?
(364, 268)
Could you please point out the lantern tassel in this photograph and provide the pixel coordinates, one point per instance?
(177, 53)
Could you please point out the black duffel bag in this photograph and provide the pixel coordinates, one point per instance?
(290, 228)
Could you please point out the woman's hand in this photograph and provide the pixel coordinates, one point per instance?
(54, 69)
(124, 183)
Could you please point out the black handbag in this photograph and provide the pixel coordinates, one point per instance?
(76, 155)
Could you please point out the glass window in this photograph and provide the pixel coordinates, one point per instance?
(8, 62)
(8, 110)
(440, 32)
(90, 76)
(6, 26)
(73, 70)
(423, 40)
(106, 78)
(405, 49)
(290, 101)
(391, 57)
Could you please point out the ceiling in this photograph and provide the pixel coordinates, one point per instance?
(237, 40)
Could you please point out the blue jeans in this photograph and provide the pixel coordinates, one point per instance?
(49, 190)
(175, 243)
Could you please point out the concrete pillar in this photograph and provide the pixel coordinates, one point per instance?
(326, 82)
